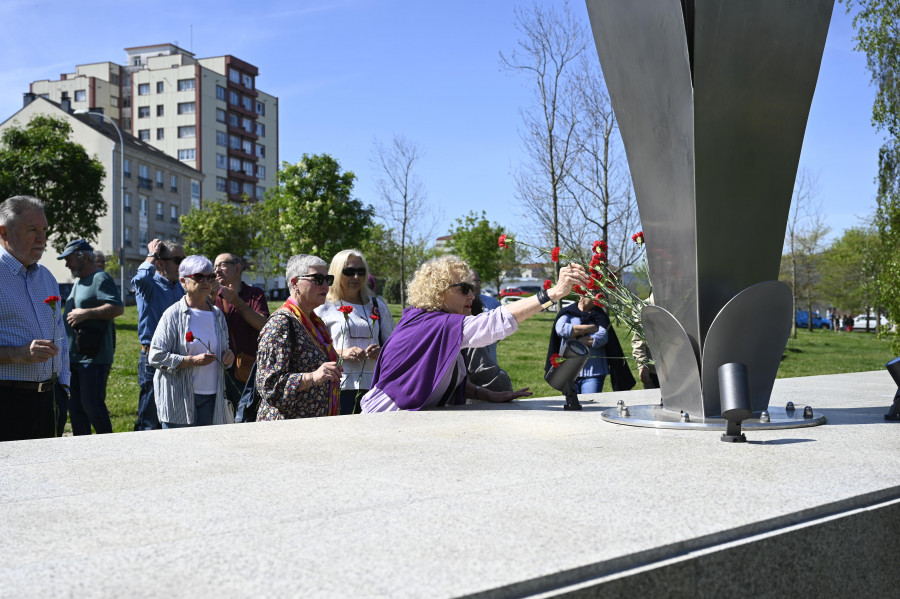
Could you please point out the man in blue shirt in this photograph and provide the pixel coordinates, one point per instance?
(34, 358)
(156, 287)
(90, 309)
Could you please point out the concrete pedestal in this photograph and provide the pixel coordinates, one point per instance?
(493, 500)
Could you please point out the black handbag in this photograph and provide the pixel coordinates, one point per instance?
(88, 340)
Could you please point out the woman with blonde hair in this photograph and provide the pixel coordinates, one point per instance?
(357, 336)
(420, 366)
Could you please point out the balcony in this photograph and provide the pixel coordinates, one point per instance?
(145, 183)
(247, 91)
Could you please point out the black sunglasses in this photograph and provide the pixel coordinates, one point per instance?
(349, 272)
(465, 287)
(319, 279)
(177, 259)
(200, 278)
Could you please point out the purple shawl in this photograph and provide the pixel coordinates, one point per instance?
(416, 356)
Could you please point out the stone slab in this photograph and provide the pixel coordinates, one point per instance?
(499, 500)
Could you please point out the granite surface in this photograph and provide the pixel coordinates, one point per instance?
(505, 500)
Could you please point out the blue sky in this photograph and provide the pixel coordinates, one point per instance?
(350, 71)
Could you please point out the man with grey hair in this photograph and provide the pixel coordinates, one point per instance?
(34, 361)
(91, 307)
(156, 287)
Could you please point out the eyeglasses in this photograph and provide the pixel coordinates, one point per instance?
(201, 278)
(465, 287)
(350, 272)
(224, 262)
(319, 279)
(176, 259)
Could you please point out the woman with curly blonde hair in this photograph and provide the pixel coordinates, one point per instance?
(420, 365)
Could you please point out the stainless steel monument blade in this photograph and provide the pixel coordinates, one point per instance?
(712, 98)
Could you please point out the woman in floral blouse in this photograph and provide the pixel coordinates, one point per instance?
(359, 323)
(297, 372)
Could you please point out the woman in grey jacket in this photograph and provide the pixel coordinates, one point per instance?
(190, 350)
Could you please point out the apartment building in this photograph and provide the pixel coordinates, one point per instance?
(147, 202)
(206, 112)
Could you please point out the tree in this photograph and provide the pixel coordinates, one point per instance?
(550, 42)
(313, 209)
(39, 160)
(877, 24)
(474, 240)
(804, 236)
(402, 197)
(219, 227)
(850, 270)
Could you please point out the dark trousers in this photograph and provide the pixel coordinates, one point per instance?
(233, 388)
(87, 405)
(349, 403)
(147, 417)
(31, 415)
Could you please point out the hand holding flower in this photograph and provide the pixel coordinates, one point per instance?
(327, 372)
(39, 350)
(227, 358)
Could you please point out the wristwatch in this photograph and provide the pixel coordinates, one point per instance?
(153, 255)
(543, 299)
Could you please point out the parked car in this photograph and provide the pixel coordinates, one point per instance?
(819, 322)
(520, 291)
(860, 322)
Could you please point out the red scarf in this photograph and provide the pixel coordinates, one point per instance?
(319, 333)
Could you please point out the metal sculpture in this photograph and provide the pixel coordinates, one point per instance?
(712, 99)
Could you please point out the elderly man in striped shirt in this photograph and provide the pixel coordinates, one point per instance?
(34, 357)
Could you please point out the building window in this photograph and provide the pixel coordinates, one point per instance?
(187, 131)
(234, 142)
(80, 95)
(160, 211)
(186, 107)
(248, 125)
(247, 80)
(260, 129)
(234, 75)
(160, 87)
(143, 177)
(127, 167)
(222, 139)
(143, 238)
(234, 120)
(233, 98)
(160, 133)
(260, 151)
(143, 89)
(247, 146)
(248, 168)
(195, 193)
(221, 161)
(234, 164)
(160, 110)
(187, 154)
(143, 201)
(185, 85)
(127, 202)
(174, 181)
(260, 192)
(220, 92)
(260, 171)
(114, 101)
(128, 237)
(159, 179)
(143, 112)
(248, 102)
(114, 78)
(221, 184)
(234, 187)
(249, 189)
(220, 115)
(173, 213)
(144, 134)
(260, 109)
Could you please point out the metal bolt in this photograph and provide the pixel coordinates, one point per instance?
(764, 417)
(625, 411)
(790, 406)
(807, 412)
(685, 417)
(620, 405)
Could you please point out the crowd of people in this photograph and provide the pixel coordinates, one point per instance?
(207, 337)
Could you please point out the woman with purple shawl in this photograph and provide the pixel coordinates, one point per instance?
(420, 365)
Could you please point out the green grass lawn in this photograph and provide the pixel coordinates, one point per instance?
(523, 354)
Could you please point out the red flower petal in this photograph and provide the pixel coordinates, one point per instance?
(189, 337)
(502, 242)
(345, 310)
(554, 255)
(548, 284)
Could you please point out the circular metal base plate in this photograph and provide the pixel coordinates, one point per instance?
(659, 417)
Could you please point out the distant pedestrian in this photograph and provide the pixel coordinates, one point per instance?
(34, 360)
(101, 259)
(156, 288)
(91, 307)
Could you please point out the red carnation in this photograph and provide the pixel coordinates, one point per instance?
(609, 285)
(554, 255)
(502, 242)
(52, 301)
(189, 337)
(578, 289)
(556, 360)
(548, 284)
(345, 310)
(598, 304)
(592, 284)
(374, 316)
(599, 244)
(638, 238)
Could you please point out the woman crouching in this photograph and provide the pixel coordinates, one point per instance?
(420, 365)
